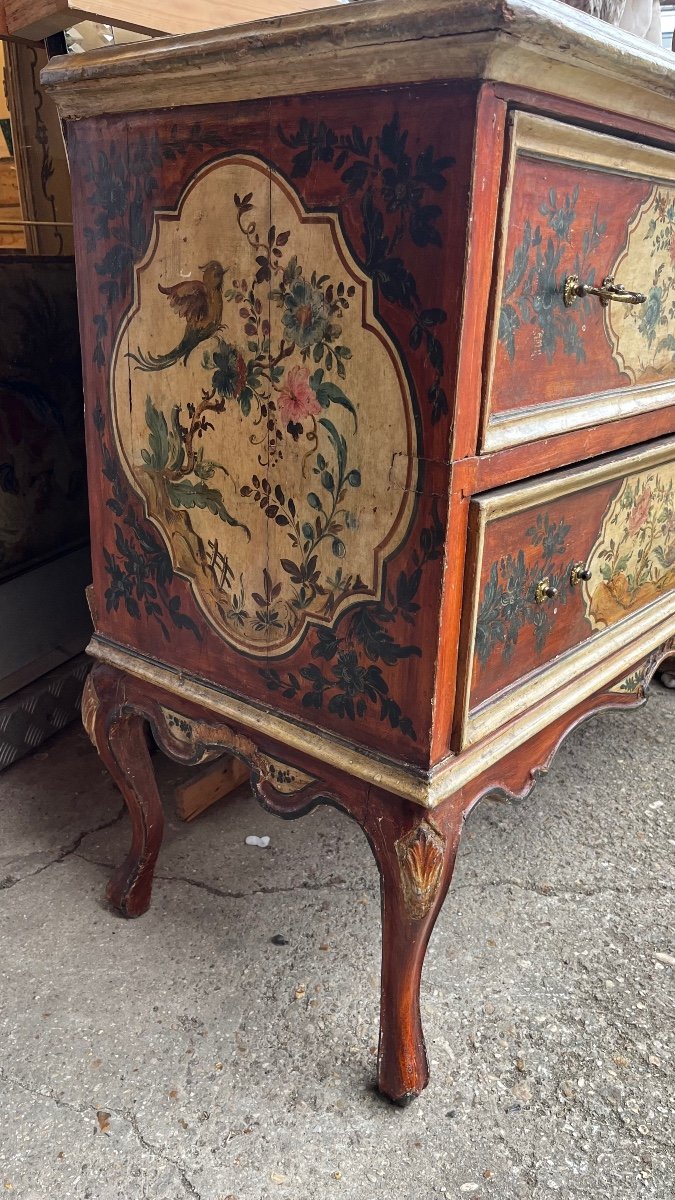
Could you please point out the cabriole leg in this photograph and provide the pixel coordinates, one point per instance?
(415, 856)
(119, 736)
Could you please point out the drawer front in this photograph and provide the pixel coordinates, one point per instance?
(562, 569)
(579, 203)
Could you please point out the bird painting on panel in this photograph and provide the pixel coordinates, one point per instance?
(199, 303)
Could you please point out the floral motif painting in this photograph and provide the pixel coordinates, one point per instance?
(244, 381)
(621, 530)
(642, 338)
(633, 560)
(508, 602)
(532, 292)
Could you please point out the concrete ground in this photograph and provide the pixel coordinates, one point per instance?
(186, 1055)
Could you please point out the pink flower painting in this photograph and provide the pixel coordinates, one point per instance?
(297, 398)
(640, 511)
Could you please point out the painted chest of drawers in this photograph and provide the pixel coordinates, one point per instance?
(379, 353)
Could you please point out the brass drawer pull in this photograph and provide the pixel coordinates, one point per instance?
(544, 591)
(609, 290)
(579, 574)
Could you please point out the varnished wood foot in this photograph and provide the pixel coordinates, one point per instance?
(416, 864)
(119, 736)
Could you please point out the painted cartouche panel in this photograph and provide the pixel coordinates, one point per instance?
(372, 197)
(641, 337)
(567, 220)
(633, 560)
(251, 383)
(622, 532)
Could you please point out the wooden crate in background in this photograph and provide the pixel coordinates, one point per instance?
(35, 19)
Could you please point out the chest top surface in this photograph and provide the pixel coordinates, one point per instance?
(372, 43)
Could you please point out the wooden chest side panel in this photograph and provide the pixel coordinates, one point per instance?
(364, 669)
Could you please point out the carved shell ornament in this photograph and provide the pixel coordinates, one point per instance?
(420, 856)
(90, 707)
(244, 380)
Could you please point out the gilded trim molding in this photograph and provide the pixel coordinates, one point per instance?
(199, 739)
(426, 788)
(585, 412)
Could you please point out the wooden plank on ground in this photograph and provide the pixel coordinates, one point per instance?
(209, 786)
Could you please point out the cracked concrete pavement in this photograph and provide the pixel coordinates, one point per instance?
(186, 1055)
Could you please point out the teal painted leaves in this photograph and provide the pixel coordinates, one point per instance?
(658, 314)
(508, 603)
(399, 194)
(347, 676)
(532, 292)
(327, 516)
(184, 471)
(139, 569)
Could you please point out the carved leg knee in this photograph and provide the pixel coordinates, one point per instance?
(119, 737)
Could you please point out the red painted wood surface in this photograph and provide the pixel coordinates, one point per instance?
(532, 376)
(485, 185)
(153, 155)
(583, 513)
(521, 462)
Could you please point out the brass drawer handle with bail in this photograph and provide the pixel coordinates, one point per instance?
(609, 290)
